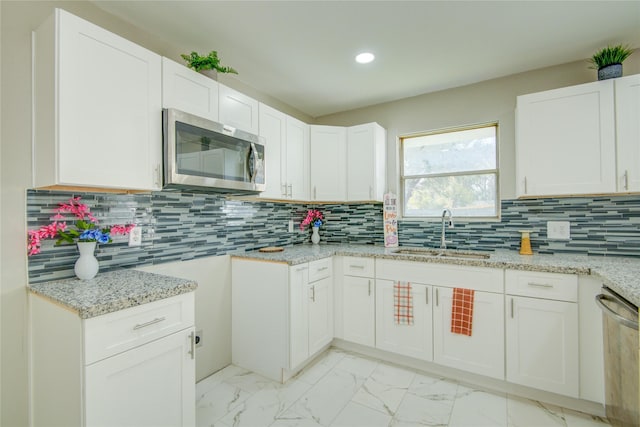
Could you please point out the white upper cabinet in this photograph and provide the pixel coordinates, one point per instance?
(628, 132)
(273, 128)
(565, 141)
(328, 163)
(287, 155)
(238, 110)
(97, 120)
(188, 91)
(366, 162)
(297, 159)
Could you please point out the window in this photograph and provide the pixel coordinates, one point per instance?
(454, 169)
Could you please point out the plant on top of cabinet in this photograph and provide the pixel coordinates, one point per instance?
(608, 61)
(205, 63)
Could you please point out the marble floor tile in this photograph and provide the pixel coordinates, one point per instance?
(217, 402)
(385, 388)
(417, 411)
(475, 408)
(343, 389)
(266, 405)
(328, 396)
(528, 413)
(356, 415)
(321, 367)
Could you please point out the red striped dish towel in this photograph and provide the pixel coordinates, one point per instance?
(462, 311)
(403, 303)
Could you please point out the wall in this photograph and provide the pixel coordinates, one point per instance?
(492, 100)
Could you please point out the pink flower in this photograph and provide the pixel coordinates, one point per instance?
(313, 217)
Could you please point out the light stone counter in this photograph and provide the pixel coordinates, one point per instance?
(620, 274)
(111, 291)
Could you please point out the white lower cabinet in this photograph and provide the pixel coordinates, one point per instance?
(482, 352)
(133, 367)
(359, 297)
(542, 331)
(410, 340)
(152, 385)
(282, 315)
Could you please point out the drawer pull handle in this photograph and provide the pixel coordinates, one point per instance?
(512, 308)
(192, 347)
(357, 266)
(323, 268)
(301, 269)
(540, 285)
(313, 293)
(369, 287)
(149, 323)
(437, 298)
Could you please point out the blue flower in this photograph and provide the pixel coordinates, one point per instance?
(317, 223)
(103, 237)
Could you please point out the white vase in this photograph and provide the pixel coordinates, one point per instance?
(315, 237)
(86, 266)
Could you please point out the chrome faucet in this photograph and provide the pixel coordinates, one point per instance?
(447, 219)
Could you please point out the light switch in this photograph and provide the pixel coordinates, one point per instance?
(558, 230)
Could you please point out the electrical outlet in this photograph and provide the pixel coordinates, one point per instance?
(198, 338)
(135, 236)
(558, 230)
(290, 226)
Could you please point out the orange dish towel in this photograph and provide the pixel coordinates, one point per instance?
(403, 303)
(462, 311)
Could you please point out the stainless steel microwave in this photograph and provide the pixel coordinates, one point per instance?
(200, 153)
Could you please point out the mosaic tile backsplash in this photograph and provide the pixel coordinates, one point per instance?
(181, 226)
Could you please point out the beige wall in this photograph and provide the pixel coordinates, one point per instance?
(492, 100)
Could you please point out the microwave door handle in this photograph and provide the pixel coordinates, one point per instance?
(253, 155)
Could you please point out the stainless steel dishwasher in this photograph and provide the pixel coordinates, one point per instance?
(620, 327)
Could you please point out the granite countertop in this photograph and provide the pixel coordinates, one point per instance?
(111, 291)
(620, 274)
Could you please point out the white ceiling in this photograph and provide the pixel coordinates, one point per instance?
(302, 52)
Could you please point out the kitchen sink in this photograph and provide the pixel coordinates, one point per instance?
(442, 253)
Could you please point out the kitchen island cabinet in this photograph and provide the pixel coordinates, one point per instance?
(97, 108)
(130, 366)
(282, 316)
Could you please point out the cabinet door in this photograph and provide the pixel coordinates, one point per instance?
(565, 141)
(299, 314)
(109, 102)
(297, 159)
(273, 129)
(358, 310)
(188, 91)
(542, 344)
(150, 385)
(411, 340)
(628, 132)
(365, 162)
(320, 297)
(328, 163)
(238, 110)
(482, 352)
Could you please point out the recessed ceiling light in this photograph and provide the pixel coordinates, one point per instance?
(365, 57)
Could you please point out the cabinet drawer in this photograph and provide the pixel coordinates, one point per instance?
(562, 287)
(319, 269)
(358, 266)
(125, 329)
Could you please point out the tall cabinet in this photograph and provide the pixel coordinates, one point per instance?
(95, 92)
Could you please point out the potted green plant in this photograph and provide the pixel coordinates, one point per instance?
(208, 65)
(608, 61)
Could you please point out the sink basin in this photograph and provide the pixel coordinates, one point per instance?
(442, 253)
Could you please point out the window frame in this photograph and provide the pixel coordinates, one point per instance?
(402, 177)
